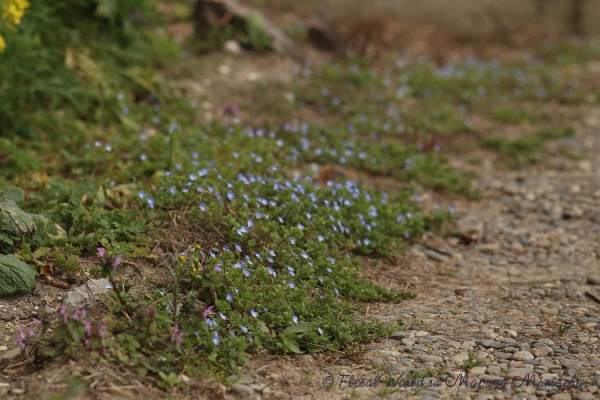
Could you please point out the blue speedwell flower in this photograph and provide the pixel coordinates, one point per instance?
(320, 330)
(291, 284)
(295, 319)
(246, 272)
(215, 338)
(244, 329)
(271, 271)
(254, 313)
(291, 271)
(229, 297)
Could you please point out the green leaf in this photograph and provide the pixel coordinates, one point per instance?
(72, 263)
(6, 238)
(15, 220)
(15, 276)
(300, 328)
(41, 252)
(291, 345)
(59, 256)
(13, 194)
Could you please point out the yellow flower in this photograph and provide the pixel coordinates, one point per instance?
(182, 258)
(13, 10)
(198, 246)
(2, 44)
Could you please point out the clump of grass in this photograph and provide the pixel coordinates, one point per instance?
(516, 153)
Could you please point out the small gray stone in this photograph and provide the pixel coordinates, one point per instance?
(80, 296)
(11, 354)
(543, 351)
(377, 363)
(593, 280)
(574, 350)
(245, 380)
(510, 341)
(49, 310)
(414, 328)
(434, 255)
(167, 260)
(589, 319)
(522, 356)
(242, 389)
(584, 396)
(500, 354)
(396, 368)
(408, 341)
(561, 396)
(535, 363)
(493, 370)
(398, 335)
(429, 358)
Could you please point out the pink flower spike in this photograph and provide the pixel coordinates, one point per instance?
(101, 251)
(87, 327)
(117, 260)
(21, 339)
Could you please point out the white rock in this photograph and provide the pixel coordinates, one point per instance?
(232, 47)
(80, 296)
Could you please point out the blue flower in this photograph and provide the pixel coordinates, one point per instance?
(229, 297)
(321, 238)
(230, 195)
(300, 226)
(150, 201)
(244, 329)
(269, 259)
(320, 279)
(294, 319)
(224, 318)
(143, 157)
(320, 330)
(408, 214)
(257, 255)
(406, 234)
(291, 284)
(336, 291)
(451, 209)
(215, 338)
(246, 272)
(366, 241)
(141, 194)
(271, 271)
(203, 172)
(271, 252)
(243, 230)
(291, 270)
(211, 322)
(259, 215)
(172, 190)
(304, 255)
(280, 219)
(308, 215)
(237, 247)
(168, 309)
(254, 313)
(293, 241)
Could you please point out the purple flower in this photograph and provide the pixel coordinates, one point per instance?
(87, 327)
(117, 261)
(176, 336)
(102, 330)
(101, 251)
(21, 339)
(215, 338)
(207, 311)
(63, 313)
